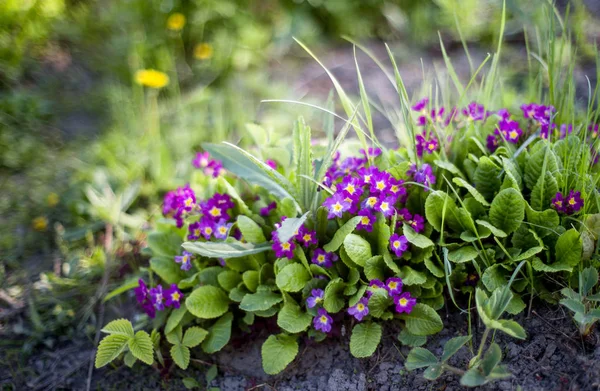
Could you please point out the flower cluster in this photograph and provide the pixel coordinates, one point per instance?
(215, 218)
(438, 116)
(322, 321)
(423, 175)
(569, 205)
(178, 203)
(403, 301)
(306, 238)
(156, 299)
(210, 166)
(426, 143)
(185, 259)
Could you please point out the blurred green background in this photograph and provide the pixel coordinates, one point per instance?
(82, 145)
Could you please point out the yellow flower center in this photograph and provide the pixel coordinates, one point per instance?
(184, 259)
(385, 206)
(321, 258)
(176, 22)
(188, 202)
(285, 246)
(203, 51)
(151, 78)
(394, 188)
(350, 189)
(371, 201)
(431, 146)
(175, 296)
(513, 134)
(393, 285)
(413, 223)
(396, 243)
(572, 201)
(365, 220)
(337, 207)
(323, 319)
(307, 237)
(558, 203)
(360, 307)
(215, 212)
(208, 230)
(380, 185)
(223, 230)
(367, 178)
(403, 302)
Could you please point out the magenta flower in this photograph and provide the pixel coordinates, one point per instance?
(323, 258)
(142, 294)
(565, 130)
(315, 298)
(423, 175)
(394, 285)
(510, 130)
(337, 205)
(185, 259)
(404, 215)
(173, 296)
(271, 163)
(207, 227)
(398, 244)
(438, 115)
(475, 112)
(395, 187)
(210, 166)
(375, 284)
(371, 152)
(267, 209)
(492, 142)
(370, 202)
(386, 206)
(213, 210)
(380, 182)
(222, 229)
(366, 221)
(283, 250)
(157, 298)
(404, 303)
(351, 186)
(503, 113)
(306, 237)
(367, 174)
(323, 321)
(360, 310)
(421, 105)
(574, 202)
(529, 110)
(194, 231)
(558, 202)
(417, 222)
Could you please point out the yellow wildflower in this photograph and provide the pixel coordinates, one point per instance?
(40, 223)
(52, 199)
(151, 78)
(176, 21)
(203, 51)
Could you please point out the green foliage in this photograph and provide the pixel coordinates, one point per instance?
(365, 339)
(277, 352)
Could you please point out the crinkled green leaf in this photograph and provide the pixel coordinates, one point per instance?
(341, 233)
(357, 248)
(194, 336)
(110, 347)
(119, 326)
(277, 352)
(207, 302)
(333, 297)
(225, 250)
(364, 339)
(180, 355)
(419, 358)
(251, 231)
(463, 254)
(569, 248)
(507, 210)
(218, 334)
(414, 238)
(292, 319)
(262, 300)
(141, 347)
(166, 268)
(453, 345)
(423, 320)
(292, 278)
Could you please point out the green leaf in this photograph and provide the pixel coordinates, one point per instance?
(383, 243)
(379, 303)
(180, 355)
(167, 269)
(569, 248)
(487, 178)
(333, 297)
(229, 279)
(472, 378)
(292, 278)
(225, 187)
(433, 372)
(418, 240)
(252, 170)
(507, 210)
(341, 234)
(251, 231)
(419, 358)
(141, 347)
(589, 279)
(411, 277)
(289, 228)
(453, 345)
(292, 319)
(250, 278)
(408, 339)
(278, 352)
(218, 334)
(374, 268)
(463, 254)
(175, 318)
(512, 328)
(423, 320)
(439, 206)
(364, 339)
(494, 277)
(194, 336)
(496, 231)
(189, 382)
(303, 160)
(165, 244)
(129, 359)
(126, 286)
(262, 300)
(225, 250)
(541, 161)
(573, 305)
(207, 302)
(555, 267)
(120, 327)
(433, 268)
(110, 347)
(211, 375)
(477, 195)
(543, 191)
(357, 248)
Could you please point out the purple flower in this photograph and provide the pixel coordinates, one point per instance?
(210, 166)
(394, 285)
(565, 130)
(360, 310)
(529, 110)
(421, 105)
(386, 206)
(574, 202)
(223, 201)
(593, 128)
(201, 160)
(492, 142)
(367, 174)
(375, 284)
(438, 115)
(558, 202)
(267, 209)
(214, 210)
(351, 186)
(372, 152)
(315, 298)
(322, 321)
(185, 259)
(207, 227)
(173, 296)
(380, 182)
(306, 237)
(423, 143)
(404, 215)
(366, 221)
(157, 298)
(222, 229)
(404, 303)
(283, 250)
(178, 202)
(475, 112)
(194, 231)
(142, 295)
(417, 222)
(472, 279)
(510, 130)
(337, 205)
(395, 187)
(503, 113)
(370, 202)
(398, 244)
(271, 163)
(323, 258)
(423, 175)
